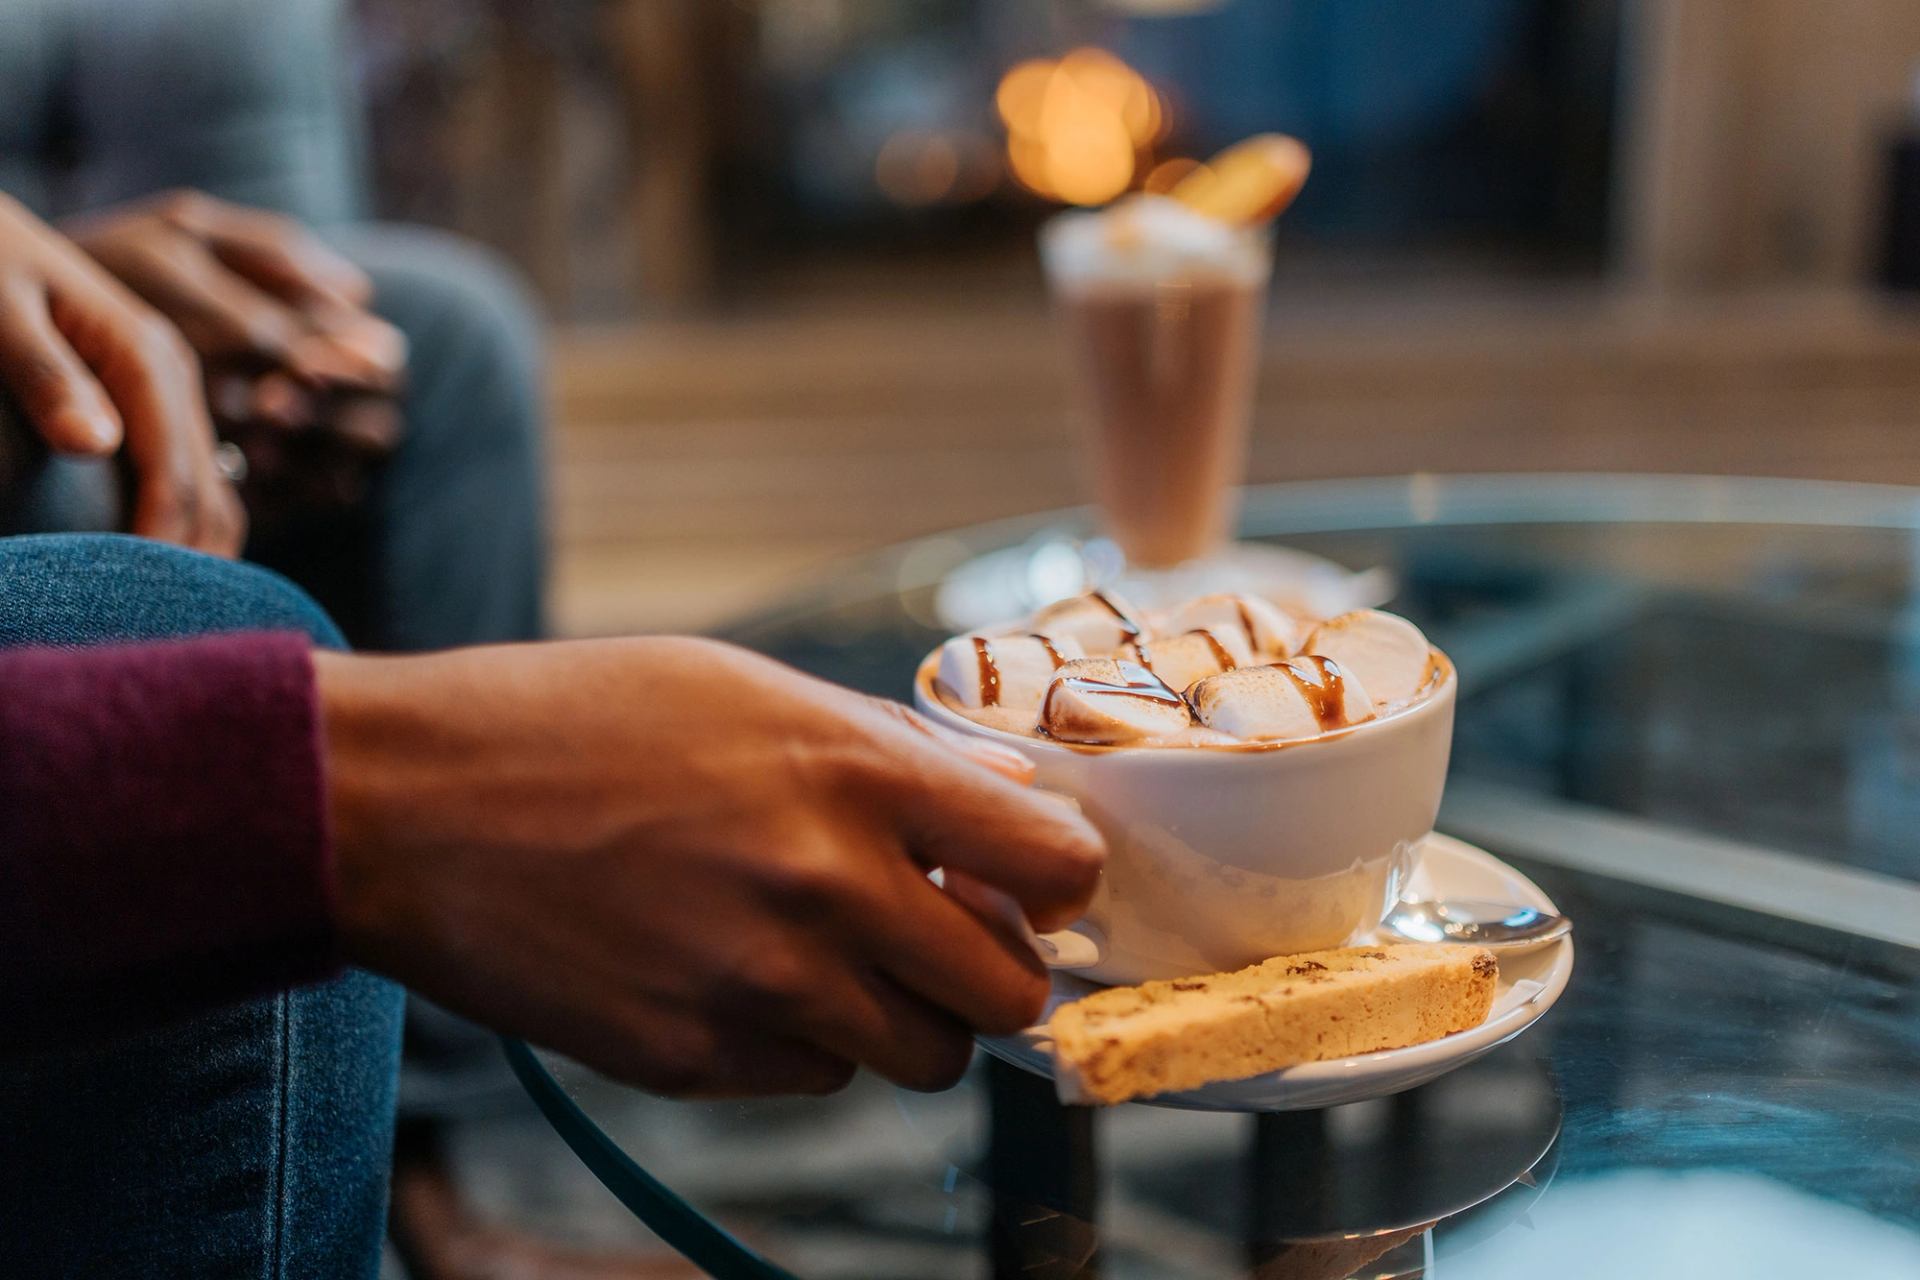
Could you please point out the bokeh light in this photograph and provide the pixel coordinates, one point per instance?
(1080, 129)
(1166, 175)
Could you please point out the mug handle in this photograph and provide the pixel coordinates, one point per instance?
(1078, 946)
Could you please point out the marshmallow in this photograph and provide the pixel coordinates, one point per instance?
(1182, 659)
(1093, 671)
(1100, 622)
(1383, 650)
(1003, 671)
(1268, 628)
(1106, 702)
(1299, 698)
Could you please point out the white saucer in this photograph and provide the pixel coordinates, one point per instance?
(1530, 981)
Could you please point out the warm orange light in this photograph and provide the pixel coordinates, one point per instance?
(1078, 129)
(1021, 89)
(1162, 177)
(1027, 161)
(1158, 121)
(1113, 88)
(1089, 152)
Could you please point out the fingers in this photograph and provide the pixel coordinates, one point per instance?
(875, 1023)
(279, 400)
(59, 395)
(352, 346)
(368, 426)
(223, 517)
(812, 986)
(682, 1054)
(980, 969)
(154, 381)
(689, 1055)
(272, 251)
(222, 313)
(243, 281)
(759, 1067)
(230, 395)
(952, 813)
(305, 448)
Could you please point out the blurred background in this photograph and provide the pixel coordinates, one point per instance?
(788, 244)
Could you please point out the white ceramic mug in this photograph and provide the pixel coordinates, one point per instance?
(1221, 857)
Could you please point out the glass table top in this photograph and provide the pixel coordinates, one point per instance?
(1690, 711)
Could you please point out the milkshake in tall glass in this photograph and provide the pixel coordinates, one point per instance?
(1160, 299)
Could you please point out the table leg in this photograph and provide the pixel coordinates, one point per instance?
(1289, 1144)
(1283, 1141)
(1044, 1176)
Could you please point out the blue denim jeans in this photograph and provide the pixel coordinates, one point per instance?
(251, 1141)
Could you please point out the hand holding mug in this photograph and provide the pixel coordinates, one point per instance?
(687, 866)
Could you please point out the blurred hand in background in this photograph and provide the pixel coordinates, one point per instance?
(97, 371)
(300, 374)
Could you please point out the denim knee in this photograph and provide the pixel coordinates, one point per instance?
(248, 1140)
(83, 589)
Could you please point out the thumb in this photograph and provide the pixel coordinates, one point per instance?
(1000, 758)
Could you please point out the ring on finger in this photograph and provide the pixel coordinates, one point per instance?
(232, 462)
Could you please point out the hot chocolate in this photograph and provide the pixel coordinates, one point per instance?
(1263, 779)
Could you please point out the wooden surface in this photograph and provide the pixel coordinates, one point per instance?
(704, 464)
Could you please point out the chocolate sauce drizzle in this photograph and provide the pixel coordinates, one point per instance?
(1246, 621)
(1323, 684)
(1139, 683)
(1221, 654)
(989, 672)
(1058, 661)
(1129, 626)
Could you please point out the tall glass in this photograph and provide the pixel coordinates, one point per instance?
(1163, 350)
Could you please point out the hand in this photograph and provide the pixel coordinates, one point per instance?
(306, 450)
(301, 376)
(95, 369)
(689, 867)
(247, 285)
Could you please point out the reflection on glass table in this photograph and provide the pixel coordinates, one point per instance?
(1690, 711)
(903, 1184)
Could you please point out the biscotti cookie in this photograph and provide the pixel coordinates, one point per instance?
(1129, 1042)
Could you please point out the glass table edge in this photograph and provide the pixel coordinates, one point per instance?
(1421, 499)
(690, 1233)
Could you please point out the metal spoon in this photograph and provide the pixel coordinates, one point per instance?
(1486, 924)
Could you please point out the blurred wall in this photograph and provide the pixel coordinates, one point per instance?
(1756, 133)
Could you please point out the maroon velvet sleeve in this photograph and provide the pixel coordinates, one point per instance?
(163, 842)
